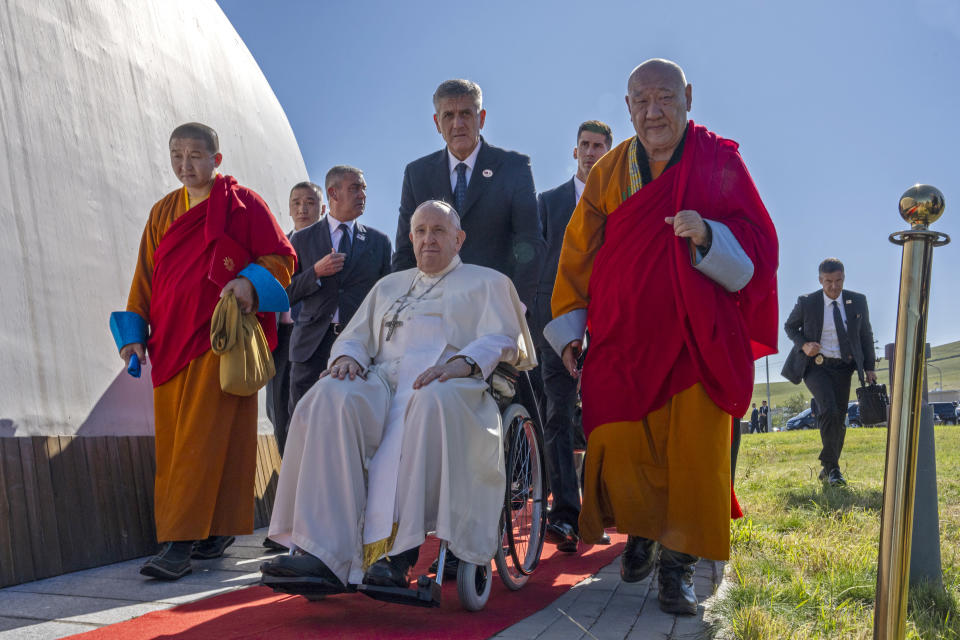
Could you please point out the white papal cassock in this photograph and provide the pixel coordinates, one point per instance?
(372, 465)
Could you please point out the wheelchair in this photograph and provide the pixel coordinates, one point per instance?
(523, 517)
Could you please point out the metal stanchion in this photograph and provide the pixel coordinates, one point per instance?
(925, 562)
(920, 205)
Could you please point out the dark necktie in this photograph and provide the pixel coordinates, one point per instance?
(460, 191)
(842, 337)
(344, 245)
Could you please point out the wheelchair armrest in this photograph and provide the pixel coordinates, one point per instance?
(502, 383)
(507, 369)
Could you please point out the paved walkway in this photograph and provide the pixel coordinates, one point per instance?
(600, 607)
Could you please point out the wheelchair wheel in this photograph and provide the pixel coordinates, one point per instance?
(473, 585)
(524, 515)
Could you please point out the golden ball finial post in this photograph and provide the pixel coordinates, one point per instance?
(921, 205)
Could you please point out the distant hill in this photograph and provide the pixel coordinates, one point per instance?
(946, 357)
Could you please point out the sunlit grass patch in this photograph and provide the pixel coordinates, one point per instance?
(803, 560)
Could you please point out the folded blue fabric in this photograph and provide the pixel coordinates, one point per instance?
(270, 294)
(133, 368)
(128, 327)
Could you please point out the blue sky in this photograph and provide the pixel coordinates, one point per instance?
(838, 106)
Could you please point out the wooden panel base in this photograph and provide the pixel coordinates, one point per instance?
(71, 503)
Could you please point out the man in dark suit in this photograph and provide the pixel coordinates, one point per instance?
(832, 338)
(338, 262)
(764, 417)
(491, 188)
(755, 419)
(561, 431)
(306, 207)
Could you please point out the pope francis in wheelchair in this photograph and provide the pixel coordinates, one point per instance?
(402, 437)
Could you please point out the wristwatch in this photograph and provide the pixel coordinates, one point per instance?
(474, 367)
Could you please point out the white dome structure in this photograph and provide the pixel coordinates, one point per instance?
(89, 93)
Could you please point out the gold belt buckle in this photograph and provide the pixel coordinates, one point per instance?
(819, 358)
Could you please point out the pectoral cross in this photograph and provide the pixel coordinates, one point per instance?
(392, 326)
(405, 301)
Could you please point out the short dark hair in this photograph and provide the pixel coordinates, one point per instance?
(198, 131)
(830, 265)
(596, 126)
(456, 88)
(306, 184)
(337, 172)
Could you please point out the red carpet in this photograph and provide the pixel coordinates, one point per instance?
(258, 612)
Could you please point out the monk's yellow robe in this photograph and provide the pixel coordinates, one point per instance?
(206, 440)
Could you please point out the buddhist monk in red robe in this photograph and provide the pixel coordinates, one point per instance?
(207, 238)
(669, 262)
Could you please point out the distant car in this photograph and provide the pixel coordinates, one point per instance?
(803, 420)
(853, 414)
(944, 412)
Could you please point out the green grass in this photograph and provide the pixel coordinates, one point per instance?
(803, 559)
(940, 356)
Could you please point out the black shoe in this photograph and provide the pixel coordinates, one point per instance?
(563, 535)
(302, 565)
(172, 563)
(212, 547)
(824, 475)
(675, 579)
(835, 478)
(388, 572)
(605, 538)
(450, 567)
(638, 558)
(273, 545)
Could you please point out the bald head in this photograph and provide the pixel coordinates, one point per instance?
(658, 98)
(666, 71)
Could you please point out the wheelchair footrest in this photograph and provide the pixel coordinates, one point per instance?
(427, 593)
(309, 588)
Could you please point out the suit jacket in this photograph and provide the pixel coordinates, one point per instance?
(278, 314)
(369, 260)
(554, 208)
(499, 214)
(805, 324)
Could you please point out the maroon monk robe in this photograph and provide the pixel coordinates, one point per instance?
(184, 296)
(657, 325)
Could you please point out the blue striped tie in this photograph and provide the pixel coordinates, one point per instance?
(460, 192)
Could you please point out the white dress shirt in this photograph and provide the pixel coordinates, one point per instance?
(829, 339)
(578, 186)
(470, 161)
(335, 235)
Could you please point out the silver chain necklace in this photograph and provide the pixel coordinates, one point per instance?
(394, 323)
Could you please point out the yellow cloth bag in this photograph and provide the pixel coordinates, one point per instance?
(246, 363)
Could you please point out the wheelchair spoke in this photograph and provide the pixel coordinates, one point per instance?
(525, 509)
(523, 490)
